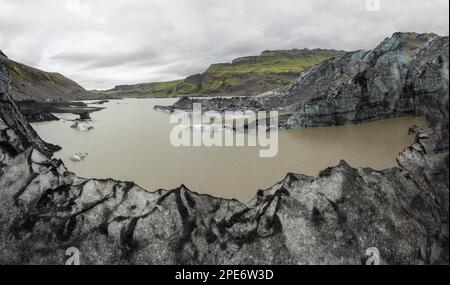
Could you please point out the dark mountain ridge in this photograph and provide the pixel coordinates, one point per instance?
(39, 93)
(29, 83)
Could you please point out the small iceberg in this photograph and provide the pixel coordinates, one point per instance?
(83, 127)
(78, 157)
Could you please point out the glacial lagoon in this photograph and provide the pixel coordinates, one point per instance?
(131, 142)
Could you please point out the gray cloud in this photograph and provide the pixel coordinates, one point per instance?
(101, 43)
(144, 57)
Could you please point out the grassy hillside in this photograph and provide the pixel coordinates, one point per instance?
(244, 76)
(28, 83)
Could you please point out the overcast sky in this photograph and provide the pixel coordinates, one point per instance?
(103, 43)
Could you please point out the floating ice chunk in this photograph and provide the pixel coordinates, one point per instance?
(79, 157)
(83, 127)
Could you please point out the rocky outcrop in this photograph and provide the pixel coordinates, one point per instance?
(101, 102)
(217, 104)
(16, 135)
(330, 219)
(405, 75)
(35, 111)
(428, 84)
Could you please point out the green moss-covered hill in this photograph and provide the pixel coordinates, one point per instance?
(243, 77)
(28, 83)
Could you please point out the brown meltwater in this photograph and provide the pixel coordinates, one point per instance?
(131, 142)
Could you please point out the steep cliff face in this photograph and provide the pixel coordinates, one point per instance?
(392, 80)
(16, 135)
(330, 219)
(429, 85)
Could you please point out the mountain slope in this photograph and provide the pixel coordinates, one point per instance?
(28, 83)
(244, 76)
